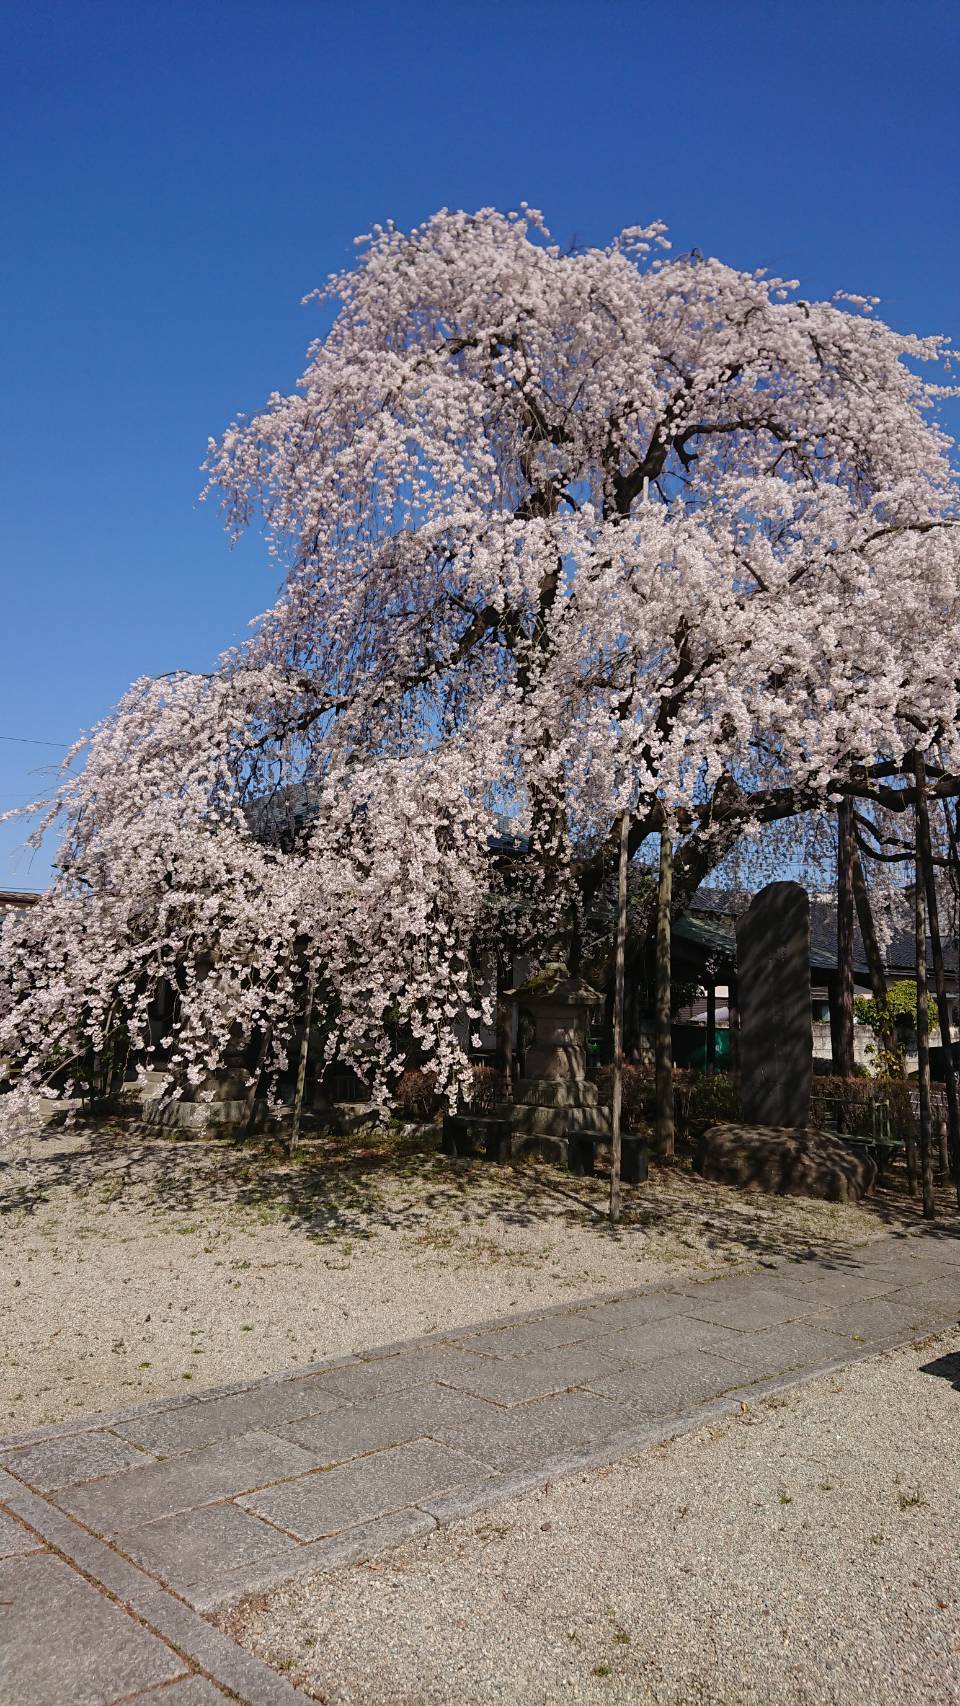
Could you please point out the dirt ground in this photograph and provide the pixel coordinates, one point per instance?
(132, 1262)
(800, 1553)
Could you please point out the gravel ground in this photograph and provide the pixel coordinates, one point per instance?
(803, 1553)
(130, 1263)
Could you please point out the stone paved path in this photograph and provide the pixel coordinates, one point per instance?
(117, 1532)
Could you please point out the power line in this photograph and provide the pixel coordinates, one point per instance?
(24, 740)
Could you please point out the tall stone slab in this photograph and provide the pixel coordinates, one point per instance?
(776, 1021)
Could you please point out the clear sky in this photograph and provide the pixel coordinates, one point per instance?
(176, 177)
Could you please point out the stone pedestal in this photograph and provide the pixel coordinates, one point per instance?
(554, 1101)
(776, 1020)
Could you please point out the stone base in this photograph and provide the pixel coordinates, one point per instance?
(530, 1119)
(802, 1162)
(634, 1155)
(202, 1116)
(345, 1118)
(556, 1093)
(475, 1134)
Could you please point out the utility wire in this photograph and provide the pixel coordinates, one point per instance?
(24, 740)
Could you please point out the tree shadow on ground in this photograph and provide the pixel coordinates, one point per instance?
(393, 1179)
(945, 1368)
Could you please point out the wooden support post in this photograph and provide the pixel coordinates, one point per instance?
(664, 1038)
(925, 855)
(619, 958)
(302, 1066)
(923, 1021)
(843, 1060)
(711, 1026)
(504, 1031)
(733, 1021)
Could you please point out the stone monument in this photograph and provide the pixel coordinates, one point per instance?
(553, 1100)
(776, 1020)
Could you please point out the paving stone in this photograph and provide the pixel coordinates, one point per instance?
(655, 1340)
(65, 1462)
(416, 1367)
(173, 1431)
(529, 1434)
(733, 1305)
(515, 1380)
(322, 1504)
(510, 1341)
(943, 1247)
(677, 1383)
(184, 1483)
(350, 1546)
(64, 1641)
(194, 1691)
(782, 1349)
(360, 1428)
(839, 1284)
(635, 1311)
(875, 1321)
(940, 1297)
(15, 1539)
(185, 1549)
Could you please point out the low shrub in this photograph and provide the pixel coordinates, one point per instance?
(702, 1099)
(849, 1105)
(486, 1090)
(415, 1095)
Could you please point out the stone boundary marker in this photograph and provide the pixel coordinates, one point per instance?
(118, 1531)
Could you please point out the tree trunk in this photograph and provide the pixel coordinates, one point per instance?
(619, 954)
(664, 1039)
(923, 1039)
(843, 1060)
(925, 859)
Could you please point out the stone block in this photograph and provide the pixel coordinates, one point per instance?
(201, 1116)
(676, 1383)
(209, 1419)
(186, 1549)
(193, 1691)
(634, 1159)
(15, 1539)
(336, 1552)
(378, 1376)
(786, 1161)
(532, 1119)
(518, 1379)
(65, 1641)
(876, 1321)
(776, 1020)
(475, 1134)
(322, 1504)
(534, 1433)
(556, 1092)
(548, 1334)
(749, 1310)
(381, 1422)
(660, 1340)
(635, 1311)
(184, 1483)
(79, 1457)
(542, 1145)
(785, 1349)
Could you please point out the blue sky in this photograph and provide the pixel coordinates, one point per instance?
(175, 177)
